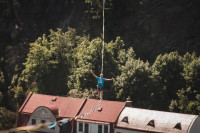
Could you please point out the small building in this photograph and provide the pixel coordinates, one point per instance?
(135, 120)
(38, 108)
(101, 121)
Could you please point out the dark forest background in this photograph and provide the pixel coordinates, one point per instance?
(152, 52)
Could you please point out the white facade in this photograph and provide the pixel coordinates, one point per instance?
(86, 127)
(43, 115)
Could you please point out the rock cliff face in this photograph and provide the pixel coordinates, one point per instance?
(152, 27)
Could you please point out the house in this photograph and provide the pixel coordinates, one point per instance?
(101, 121)
(38, 108)
(109, 117)
(135, 120)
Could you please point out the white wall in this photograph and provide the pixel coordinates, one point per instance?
(93, 127)
(195, 126)
(43, 113)
(117, 130)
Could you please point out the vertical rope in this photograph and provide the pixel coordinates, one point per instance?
(103, 37)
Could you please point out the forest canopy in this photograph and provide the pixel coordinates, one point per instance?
(59, 64)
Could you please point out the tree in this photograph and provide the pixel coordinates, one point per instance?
(134, 80)
(87, 56)
(188, 100)
(192, 71)
(168, 69)
(48, 62)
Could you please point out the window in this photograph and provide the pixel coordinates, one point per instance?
(125, 119)
(86, 128)
(151, 123)
(80, 127)
(178, 126)
(42, 121)
(33, 121)
(105, 128)
(99, 128)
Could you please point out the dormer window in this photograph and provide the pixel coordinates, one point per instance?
(125, 119)
(178, 126)
(151, 123)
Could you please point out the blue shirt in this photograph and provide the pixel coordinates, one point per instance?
(100, 81)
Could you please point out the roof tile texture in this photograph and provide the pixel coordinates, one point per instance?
(109, 113)
(68, 107)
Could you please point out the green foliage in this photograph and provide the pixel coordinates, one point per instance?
(2, 87)
(60, 62)
(2, 81)
(188, 100)
(168, 69)
(48, 62)
(7, 118)
(92, 93)
(87, 56)
(192, 72)
(95, 7)
(134, 80)
(18, 92)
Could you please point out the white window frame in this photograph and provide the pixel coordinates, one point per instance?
(94, 126)
(103, 127)
(78, 123)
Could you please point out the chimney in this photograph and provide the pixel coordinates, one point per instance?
(128, 102)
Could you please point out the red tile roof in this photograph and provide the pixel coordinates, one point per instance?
(68, 107)
(109, 113)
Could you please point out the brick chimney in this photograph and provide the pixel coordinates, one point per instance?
(128, 102)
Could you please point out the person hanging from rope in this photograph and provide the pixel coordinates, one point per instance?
(100, 82)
